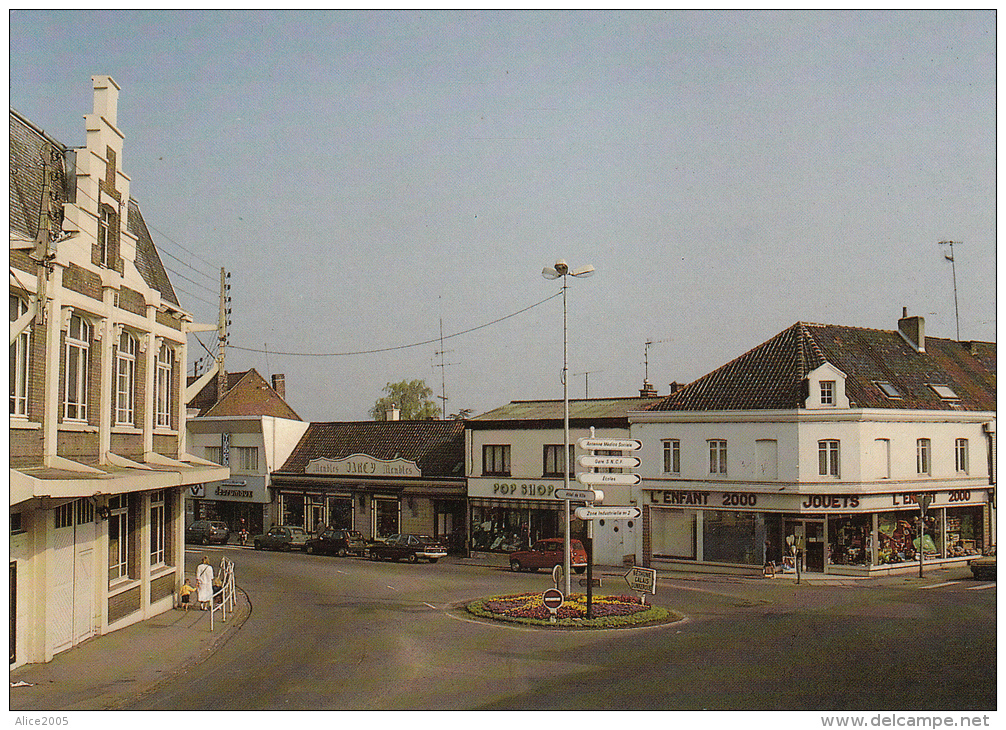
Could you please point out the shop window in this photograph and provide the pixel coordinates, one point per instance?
(673, 533)
(385, 518)
(961, 456)
(125, 380)
(849, 540)
(733, 537)
(78, 340)
(828, 458)
(963, 531)
(291, 509)
(898, 537)
(717, 456)
(505, 529)
(672, 456)
(496, 460)
(922, 464)
(553, 461)
(19, 360)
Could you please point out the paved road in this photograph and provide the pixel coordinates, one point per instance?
(331, 633)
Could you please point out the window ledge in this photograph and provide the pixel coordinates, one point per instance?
(126, 429)
(121, 585)
(77, 426)
(165, 431)
(158, 571)
(23, 424)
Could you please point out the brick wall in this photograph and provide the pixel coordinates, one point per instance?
(25, 448)
(162, 587)
(78, 446)
(123, 604)
(166, 445)
(132, 301)
(129, 445)
(82, 281)
(20, 260)
(36, 373)
(168, 321)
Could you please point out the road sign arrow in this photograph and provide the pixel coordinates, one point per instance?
(610, 513)
(610, 462)
(589, 444)
(600, 478)
(580, 495)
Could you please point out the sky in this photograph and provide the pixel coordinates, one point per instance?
(374, 179)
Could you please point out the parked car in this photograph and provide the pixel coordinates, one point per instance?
(548, 553)
(984, 568)
(410, 547)
(282, 537)
(206, 531)
(337, 542)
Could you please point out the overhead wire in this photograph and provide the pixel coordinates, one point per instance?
(398, 347)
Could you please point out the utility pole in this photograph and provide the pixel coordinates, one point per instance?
(953, 266)
(223, 322)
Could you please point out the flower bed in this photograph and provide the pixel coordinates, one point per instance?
(608, 611)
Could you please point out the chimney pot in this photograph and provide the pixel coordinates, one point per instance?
(913, 330)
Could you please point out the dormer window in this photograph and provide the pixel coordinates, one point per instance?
(887, 389)
(944, 391)
(827, 392)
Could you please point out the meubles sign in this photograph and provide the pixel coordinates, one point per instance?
(365, 466)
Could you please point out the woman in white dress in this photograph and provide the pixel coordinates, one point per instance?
(204, 583)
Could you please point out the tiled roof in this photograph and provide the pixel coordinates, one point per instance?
(587, 409)
(248, 394)
(437, 447)
(148, 261)
(771, 375)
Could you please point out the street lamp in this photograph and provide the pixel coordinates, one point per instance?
(561, 268)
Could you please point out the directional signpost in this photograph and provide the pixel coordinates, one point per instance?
(595, 444)
(643, 581)
(608, 513)
(610, 462)
(593, 477)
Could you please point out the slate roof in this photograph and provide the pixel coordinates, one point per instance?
(248, 394)
(437, 447)
(27, 144)
(771, 376)
(548, 413)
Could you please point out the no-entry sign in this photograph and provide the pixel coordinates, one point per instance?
(552, 598)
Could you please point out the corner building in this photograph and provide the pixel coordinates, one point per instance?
(827, 438)
(98, 459)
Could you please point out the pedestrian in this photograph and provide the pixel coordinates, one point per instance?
(204, 582)
(186, 590)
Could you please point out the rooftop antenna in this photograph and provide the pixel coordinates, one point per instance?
(646, 358)
(950, 257)
(585, 374)
(443, 378)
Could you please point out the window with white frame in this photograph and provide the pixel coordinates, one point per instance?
(118, 538)
(158, 527)
(162, 385)
(717, 456)
(672, 456)
(214, 454)
(104, 225)
(19, 349)
(245, 458)
(553, 461)
(961, 456)
(827, 392)
(922, 463)
(125, 380)
(828, 458)
(496, 459)
(78, 339)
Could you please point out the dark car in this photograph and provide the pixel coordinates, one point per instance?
(548, 553)
(337, 542)
(206, 531)
(984, 568)
(410, 547)
(282, 537)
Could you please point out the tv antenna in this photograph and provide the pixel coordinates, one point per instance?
(953, 266)
(646, 358)
(585, 375)
(442, 365)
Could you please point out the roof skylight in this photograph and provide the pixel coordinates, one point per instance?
(889, 390)
(944, 391)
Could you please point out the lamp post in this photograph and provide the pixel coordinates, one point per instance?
(561, 269)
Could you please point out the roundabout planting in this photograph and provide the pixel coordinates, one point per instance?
(608, 612)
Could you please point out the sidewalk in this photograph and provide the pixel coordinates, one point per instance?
(106, 672)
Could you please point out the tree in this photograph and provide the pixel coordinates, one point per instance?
(413, 398)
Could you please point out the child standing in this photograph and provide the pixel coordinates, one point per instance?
(186, 590)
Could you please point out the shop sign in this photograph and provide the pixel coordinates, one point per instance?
(233, 489)
(764, 501)
(365, 466)
(950, 498)
(511, 489)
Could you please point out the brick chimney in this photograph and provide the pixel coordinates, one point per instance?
(676, 386)
(647, 391)
(913, 330)
(279, 384)
(392, 413)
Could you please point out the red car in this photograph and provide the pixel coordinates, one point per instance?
(547, 553)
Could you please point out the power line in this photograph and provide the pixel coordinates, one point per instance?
(182, 276)
(178, 288)
(399, 347)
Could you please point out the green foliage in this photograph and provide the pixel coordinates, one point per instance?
(413, 398)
